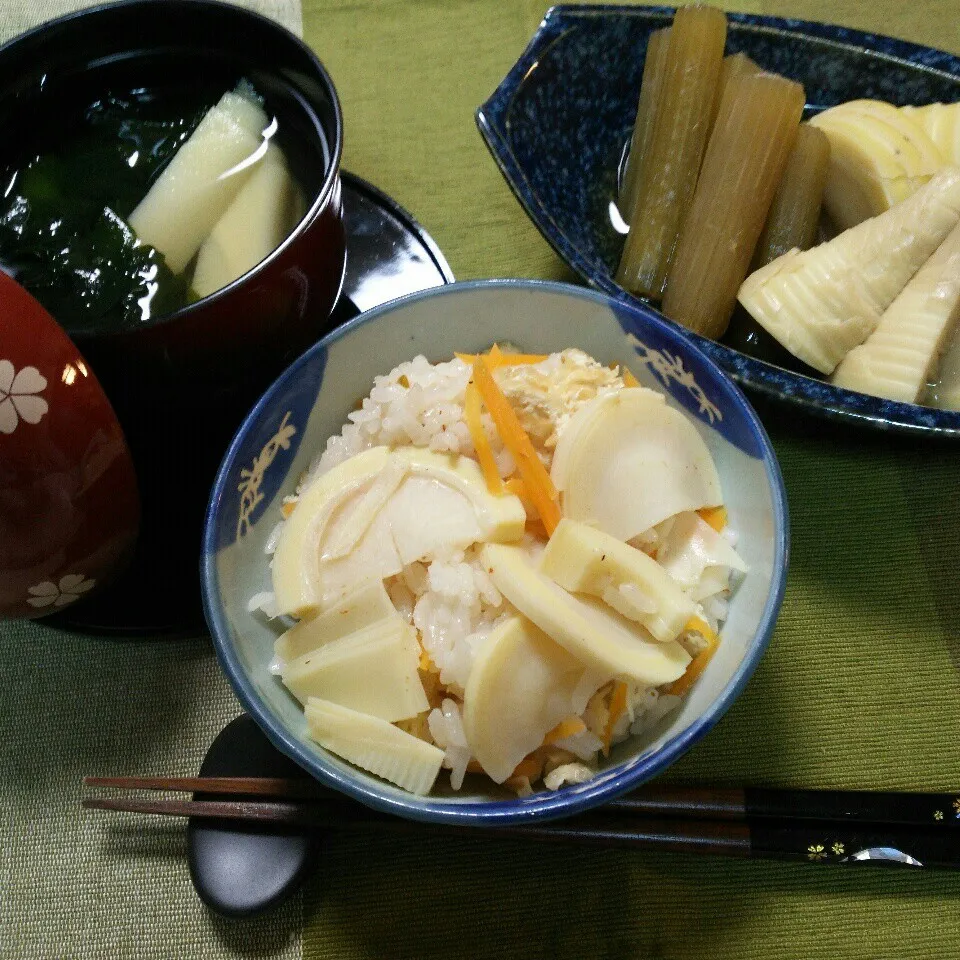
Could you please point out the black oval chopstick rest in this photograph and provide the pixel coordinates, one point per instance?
(239, 869)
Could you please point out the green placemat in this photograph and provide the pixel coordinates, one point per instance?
(860, 687)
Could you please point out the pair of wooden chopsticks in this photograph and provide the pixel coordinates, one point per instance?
(906, 829)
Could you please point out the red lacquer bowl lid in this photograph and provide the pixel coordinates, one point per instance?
(69, 507)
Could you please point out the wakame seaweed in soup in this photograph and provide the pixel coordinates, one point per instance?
(94, 215)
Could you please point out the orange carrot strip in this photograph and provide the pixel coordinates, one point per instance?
(618, 703)
(699, 663)
(530, 766)
(288, 508)
(481, 442)
(715, 516)
(565, 728)
(503, 359)
(629, 379)
(535, 477)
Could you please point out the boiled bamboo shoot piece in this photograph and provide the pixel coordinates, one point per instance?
(201, 180)
(945, 391)
(878, 157)
(521, 674)
(374, 745)
(823, 302)
(753, 136)
(669, 173)
(898, 359)
(651, 87)
(941, 121)
(794, 215)
(582, 559)
(253, 226)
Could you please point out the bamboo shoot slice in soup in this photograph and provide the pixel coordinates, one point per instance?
(202, 179)
(252, 226)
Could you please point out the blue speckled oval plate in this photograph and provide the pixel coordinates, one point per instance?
(558, 122)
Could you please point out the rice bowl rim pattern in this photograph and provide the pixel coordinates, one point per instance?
(542, 805)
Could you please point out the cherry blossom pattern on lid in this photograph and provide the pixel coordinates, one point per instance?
(19, 398)
(68, 589)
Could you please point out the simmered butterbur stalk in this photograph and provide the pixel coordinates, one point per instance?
(753, 135)
(823, 302)
(900, 356)
(795, 212)
(199, 183)
(651, 87)
(736, 65)
(669, 173)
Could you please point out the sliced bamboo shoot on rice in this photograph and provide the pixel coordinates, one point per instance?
(670, 167)
(753, 136)
(521, 686)
(823, 302)
(373, 670)
(201, 180)
(374, 745)
(616, 439)
(582, 559)
(365, 606)
(606, 643)
(900, 356)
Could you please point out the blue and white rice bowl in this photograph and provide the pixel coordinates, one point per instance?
(290, 426)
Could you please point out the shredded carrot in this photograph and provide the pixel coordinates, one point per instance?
(535, 477)
(530, 766)
(715, 516)
(699, 663)
(565, 728)
(618, 703)
(287, 508)
(629, 379)
(481, 442)
(501, 359)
